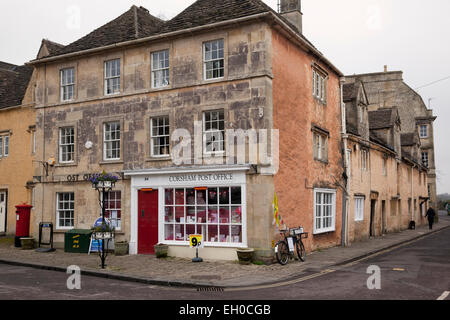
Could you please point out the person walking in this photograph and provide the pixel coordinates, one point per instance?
(431, 214)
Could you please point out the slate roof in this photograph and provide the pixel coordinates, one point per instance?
(374, 137)
(13, 84)
(381, 119)
(138, 23)
(52, 47)
(134, 24)
(409, 139)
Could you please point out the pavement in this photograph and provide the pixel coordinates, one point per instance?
(175, 272)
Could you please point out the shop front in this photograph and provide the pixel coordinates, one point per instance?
(169, 205)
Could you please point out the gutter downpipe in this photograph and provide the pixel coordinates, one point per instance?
(345, 195)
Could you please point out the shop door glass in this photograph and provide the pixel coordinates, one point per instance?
(147, 221)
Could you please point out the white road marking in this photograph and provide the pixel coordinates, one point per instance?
(444, 295)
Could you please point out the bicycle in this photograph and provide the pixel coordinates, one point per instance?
(284, 249)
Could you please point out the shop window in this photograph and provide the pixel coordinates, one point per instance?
(160, 69)
(113, 208)
(324, 210)
(160, 136)
(67, 84)
(112, 77)
(65, 210)
(66, 145)
(213, 131)
(213, 59)
(215, 213)
(111, 141)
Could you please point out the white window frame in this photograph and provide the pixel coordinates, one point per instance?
(66, 85)
(422, 128)
(319, 86)
(320, 146)
(214, 132)
(160, 69)
(107, 142)
(59, 211)
(4, 146)
(364, 160)
(359, 203)
(220, 58)
(112, 77)
(173, 223)
(332, 227)
(64, 146)
(166, 124)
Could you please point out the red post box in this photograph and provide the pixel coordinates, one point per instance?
(23, 213)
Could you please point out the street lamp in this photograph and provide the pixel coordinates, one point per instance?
(103, 183)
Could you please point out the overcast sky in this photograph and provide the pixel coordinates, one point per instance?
(358, 36)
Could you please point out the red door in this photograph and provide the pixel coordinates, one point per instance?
(147, 221)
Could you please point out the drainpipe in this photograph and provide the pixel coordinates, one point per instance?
(345, 194)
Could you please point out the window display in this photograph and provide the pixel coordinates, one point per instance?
(215, 213)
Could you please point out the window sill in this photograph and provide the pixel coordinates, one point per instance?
(318, 233)
(158, 159)
(111, 162)
(62, 165)
(320, 101)
(325, 162)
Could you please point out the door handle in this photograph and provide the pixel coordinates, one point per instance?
(143, 213)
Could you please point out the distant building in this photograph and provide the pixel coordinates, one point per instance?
(387, 89)
(387, 179)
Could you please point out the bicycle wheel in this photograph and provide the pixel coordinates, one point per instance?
(301, 252)
(282, 252)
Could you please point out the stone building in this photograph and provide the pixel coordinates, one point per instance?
(138, 93)
(387, 89)
(387, 181)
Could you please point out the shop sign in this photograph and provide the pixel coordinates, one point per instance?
(196, 241)
(84, 177)
(207, 177)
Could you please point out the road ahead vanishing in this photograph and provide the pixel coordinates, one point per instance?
(419, 270)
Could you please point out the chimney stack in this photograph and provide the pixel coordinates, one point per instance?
(292, 11)
(385, 69)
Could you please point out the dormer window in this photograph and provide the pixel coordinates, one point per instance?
(424, 131)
